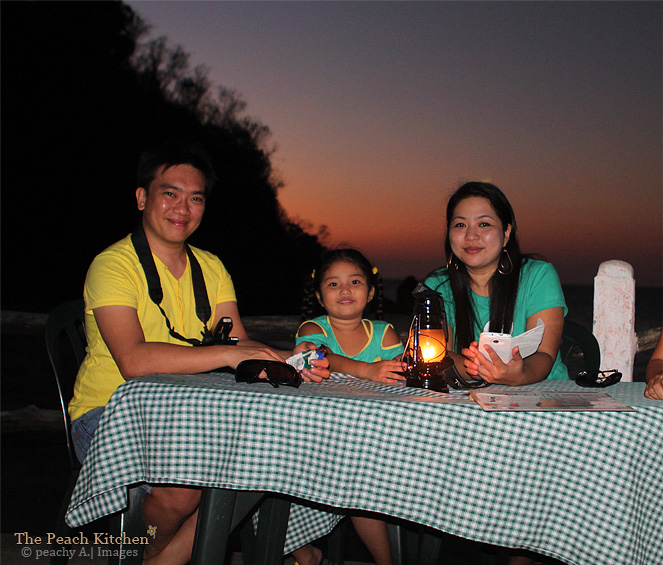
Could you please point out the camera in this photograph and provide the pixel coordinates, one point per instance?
(221, 334)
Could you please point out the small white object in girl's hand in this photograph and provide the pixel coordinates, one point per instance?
(303, 360)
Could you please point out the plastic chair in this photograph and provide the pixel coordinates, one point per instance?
(223, 510)
(66, 321)
(65, 344)
(576, 336)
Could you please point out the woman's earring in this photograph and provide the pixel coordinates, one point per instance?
(505, 267)
(452, 263)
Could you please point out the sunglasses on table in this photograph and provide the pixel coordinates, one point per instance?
(275, 373)
(598, 379)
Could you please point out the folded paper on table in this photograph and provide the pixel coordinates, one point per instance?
(548, 401)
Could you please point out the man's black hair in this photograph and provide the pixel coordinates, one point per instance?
(170, 154)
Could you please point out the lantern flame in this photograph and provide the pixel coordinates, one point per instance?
(428, 352)
(433, 345)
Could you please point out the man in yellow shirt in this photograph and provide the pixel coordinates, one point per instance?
(132, 334)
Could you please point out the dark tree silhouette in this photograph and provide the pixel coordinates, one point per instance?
(81, 98)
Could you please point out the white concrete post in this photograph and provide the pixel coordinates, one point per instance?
(614, 317)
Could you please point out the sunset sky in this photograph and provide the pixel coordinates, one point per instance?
(378, 110)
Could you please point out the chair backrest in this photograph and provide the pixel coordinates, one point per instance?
(574, 335)
(66, 343)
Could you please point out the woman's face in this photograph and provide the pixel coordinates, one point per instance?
(476, 235)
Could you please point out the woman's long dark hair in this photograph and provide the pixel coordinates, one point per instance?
(310, 304)
(503, 288)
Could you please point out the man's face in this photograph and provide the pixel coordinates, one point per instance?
(173, 205)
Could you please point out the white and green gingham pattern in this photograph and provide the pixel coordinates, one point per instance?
(583, 487)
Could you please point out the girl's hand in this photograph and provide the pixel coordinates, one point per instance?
(320, 368)
(385, 372)
(303, 346)
(319, 371)
(494, 370)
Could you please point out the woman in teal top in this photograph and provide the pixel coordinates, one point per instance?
(488, 281)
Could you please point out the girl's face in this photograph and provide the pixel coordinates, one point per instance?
(344, 291)
(476, 235)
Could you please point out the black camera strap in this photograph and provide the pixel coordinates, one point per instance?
(203, 310)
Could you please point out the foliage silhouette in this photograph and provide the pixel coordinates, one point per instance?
(81, 98)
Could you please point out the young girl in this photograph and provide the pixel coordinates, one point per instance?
(343, 284)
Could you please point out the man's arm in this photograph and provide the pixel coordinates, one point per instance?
(121, 330)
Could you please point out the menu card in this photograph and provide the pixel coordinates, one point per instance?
(547, 401)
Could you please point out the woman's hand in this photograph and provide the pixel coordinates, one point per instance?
(385, 372)
(519, 371)
(654, 373)
(494, 371)
(654, 388)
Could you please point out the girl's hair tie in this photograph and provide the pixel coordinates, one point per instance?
(313, 274)
(375, 270)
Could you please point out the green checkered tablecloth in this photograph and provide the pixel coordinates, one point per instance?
(583, 487)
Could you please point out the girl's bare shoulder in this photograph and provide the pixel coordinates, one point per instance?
(310, 328)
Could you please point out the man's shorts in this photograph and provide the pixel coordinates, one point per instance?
(82, 430)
